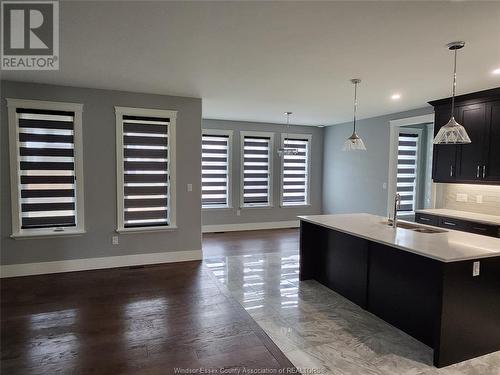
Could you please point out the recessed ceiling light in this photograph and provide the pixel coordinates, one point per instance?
(496, 71)
(396, 96)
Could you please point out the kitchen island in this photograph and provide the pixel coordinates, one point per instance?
(441, 287)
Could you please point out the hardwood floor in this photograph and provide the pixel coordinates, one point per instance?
(284, 241)
(128, 321)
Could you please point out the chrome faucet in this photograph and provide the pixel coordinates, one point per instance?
(397, 205)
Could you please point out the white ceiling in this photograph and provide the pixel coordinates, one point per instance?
(254, 60)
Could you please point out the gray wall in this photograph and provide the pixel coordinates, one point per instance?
(276, 213)
(353, 181)
(100, 177)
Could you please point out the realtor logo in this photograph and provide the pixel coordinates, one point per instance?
(30, 35)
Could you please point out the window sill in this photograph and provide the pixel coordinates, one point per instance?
(256, 207)
(146, 229)
(296, 205)
(32, 234)
(217, 208)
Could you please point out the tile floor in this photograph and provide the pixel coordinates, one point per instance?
(320, 330)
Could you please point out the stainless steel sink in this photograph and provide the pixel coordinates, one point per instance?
(416, 227)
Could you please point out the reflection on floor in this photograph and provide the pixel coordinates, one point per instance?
(317, 328)
(139, 320)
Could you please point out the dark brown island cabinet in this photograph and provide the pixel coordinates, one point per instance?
(442, 304)
(479, 161)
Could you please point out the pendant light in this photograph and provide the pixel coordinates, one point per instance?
(453, 132)
(284, 150)
(354, 143)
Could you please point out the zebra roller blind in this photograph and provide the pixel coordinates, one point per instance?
(145, 171)
(295, 173)
(46, 168)
(407, 170)
(214, 170)
(256, 170)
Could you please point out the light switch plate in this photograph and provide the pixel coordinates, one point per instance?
(461, 197)
(475, 269)
(479, 198)
(190, 187)
(114, 240)
(238, 212)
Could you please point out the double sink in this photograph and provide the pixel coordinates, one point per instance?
(415, 227)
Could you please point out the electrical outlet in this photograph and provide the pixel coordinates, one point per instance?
(238, 212)
(475, 269)
(114, 240)
(461, 197)
(479, 198)
(190, 187)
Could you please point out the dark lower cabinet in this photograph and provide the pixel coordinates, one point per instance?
(458, 224)
(402, 290)
(340, 262)
(441, 304)
(455, 224)
(426, 219)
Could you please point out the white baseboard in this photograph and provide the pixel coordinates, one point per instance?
(250, 226)
(26, 269)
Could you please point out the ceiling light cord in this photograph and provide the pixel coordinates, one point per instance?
(454, 88)
(287, 127)
(355, 104)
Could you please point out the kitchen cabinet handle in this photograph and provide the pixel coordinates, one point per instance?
(480, 228)
(448, 223)
(484, 171)
(451, 170)
(424, 219)
(477, 173)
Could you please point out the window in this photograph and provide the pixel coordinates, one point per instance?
(46, 167)
(216, 168)
(145, 146)
(408, 142)
(295, 171)
(256, 169)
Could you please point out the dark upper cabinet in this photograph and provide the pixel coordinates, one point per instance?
(479, 161)
(492, 142)
(471, 156)
(444, 167)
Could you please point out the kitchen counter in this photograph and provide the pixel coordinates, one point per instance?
(450, 246)
(441, 288)
(463, 215)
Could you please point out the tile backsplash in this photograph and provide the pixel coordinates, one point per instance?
(483, 199)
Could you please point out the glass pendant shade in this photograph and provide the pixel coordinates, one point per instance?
(354, 143)
(452, 133)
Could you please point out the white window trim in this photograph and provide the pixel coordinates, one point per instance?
(308, 182)
(418, 166)
(394, 126)
(146, 112)
(229, 134)
(15, 191)
(244, 134)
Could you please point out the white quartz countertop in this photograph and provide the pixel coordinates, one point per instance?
(471, 216)
(450, 246)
